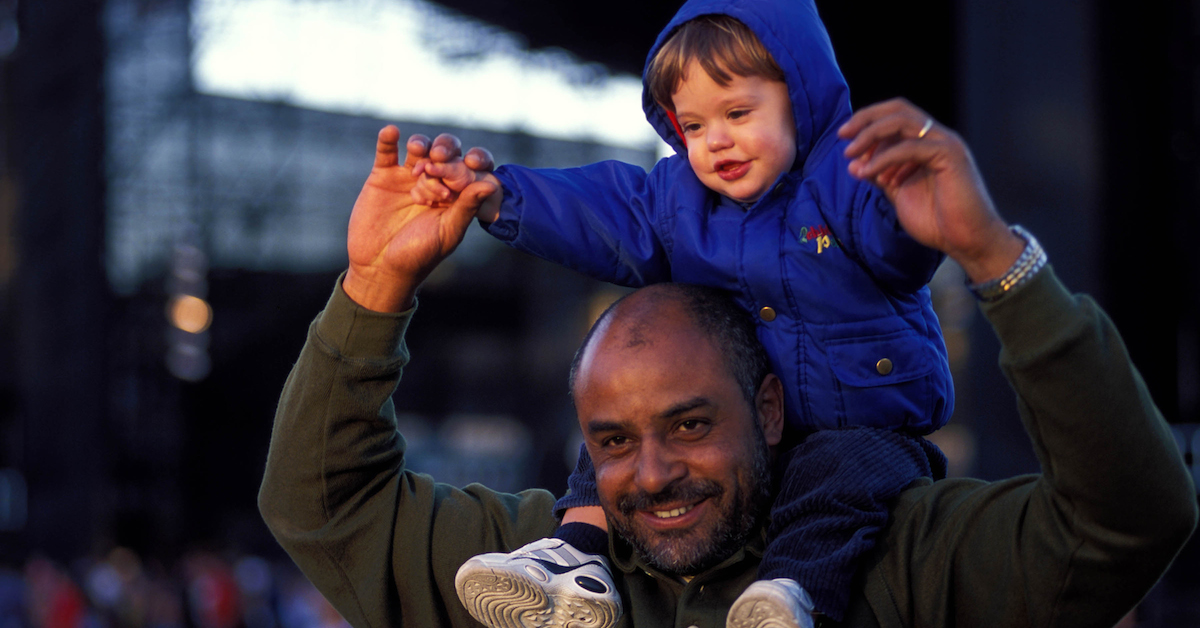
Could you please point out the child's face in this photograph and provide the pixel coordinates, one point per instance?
(740, 138)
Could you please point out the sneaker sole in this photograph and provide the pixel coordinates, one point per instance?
(760, 613)
(500, 598)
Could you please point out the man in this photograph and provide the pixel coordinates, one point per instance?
(671, 431)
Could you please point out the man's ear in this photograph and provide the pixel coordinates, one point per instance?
(769, 403)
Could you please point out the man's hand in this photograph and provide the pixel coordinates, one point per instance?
(446, 173)
(394, 242)
(932, 180)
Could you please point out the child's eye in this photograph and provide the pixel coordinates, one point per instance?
(691, 127)
(738, 113)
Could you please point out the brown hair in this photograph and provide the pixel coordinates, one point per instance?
(720, 44)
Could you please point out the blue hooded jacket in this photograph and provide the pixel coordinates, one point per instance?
(850, 328)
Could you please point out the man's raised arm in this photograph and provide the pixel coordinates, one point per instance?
(380, 543)
(1081, 543)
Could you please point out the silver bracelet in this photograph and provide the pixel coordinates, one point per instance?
(1032, 259)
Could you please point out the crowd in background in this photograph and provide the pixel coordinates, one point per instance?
(121, 590)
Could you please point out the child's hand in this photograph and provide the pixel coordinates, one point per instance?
(445, 172)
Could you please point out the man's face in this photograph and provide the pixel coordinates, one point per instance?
(740, 137)
(681, 464)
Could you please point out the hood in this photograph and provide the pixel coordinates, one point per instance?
(793, 33)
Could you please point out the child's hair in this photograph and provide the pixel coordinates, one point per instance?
(720, 44)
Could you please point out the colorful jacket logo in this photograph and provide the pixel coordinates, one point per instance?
(821, 235)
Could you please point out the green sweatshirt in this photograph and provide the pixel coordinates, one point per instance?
(1077, 545)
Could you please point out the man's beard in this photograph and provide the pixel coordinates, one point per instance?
(674, 552)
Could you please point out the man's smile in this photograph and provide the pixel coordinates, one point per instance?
(668, 514)
(674, 519)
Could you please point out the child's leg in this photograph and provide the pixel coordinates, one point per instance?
(586, 528)
(833, 499)
(583, 522)
(560, 581)
(591, 515)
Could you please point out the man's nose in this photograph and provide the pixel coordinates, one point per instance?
(658, 465)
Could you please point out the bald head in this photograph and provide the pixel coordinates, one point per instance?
(632, 320)
(678, 412)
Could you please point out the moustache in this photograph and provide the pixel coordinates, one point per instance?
(688, 492)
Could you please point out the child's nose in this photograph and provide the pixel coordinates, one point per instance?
(718, 137)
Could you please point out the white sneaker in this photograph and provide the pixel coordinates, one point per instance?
(778, 603)
(546, 584)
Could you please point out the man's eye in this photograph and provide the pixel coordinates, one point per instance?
(693, 429)
(614, 441)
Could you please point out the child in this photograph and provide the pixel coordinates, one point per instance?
(757, 201)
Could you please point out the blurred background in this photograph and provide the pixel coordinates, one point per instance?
(176, 177)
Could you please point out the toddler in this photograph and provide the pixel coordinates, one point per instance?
(757, 201)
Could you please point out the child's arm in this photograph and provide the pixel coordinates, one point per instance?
(602, 220)
(861, 214)
(599, 220)
(865, 222)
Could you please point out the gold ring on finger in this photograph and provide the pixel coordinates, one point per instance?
(925, 129)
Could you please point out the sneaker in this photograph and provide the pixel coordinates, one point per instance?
(778, 603)
(546, 584)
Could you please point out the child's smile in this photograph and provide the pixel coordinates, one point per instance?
(740, 137)
(731, 170)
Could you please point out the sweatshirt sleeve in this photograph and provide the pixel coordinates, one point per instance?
(380, 542)
(1077, 545)
(599, 220)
